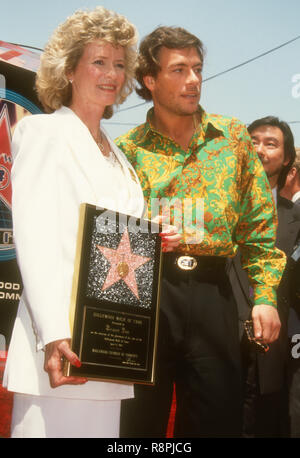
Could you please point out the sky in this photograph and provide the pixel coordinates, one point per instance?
(233, 32)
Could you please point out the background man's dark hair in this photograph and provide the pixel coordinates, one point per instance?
(296, 163)
(289, 146)
(148, 59)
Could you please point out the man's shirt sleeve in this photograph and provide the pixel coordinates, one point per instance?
(256, 229)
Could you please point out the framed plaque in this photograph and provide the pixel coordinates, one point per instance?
(115, 297)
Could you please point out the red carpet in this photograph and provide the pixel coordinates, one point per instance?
(6, 399)
(5, 406)
(170, 429)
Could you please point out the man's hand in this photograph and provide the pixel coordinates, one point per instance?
(266, 323)
(54, 353)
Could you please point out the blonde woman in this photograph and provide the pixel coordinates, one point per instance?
(62, 159)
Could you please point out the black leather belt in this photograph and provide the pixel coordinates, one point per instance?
(192, 263)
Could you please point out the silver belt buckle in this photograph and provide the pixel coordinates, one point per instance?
(186, 262)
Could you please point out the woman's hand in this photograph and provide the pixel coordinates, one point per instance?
(170, 238)
(54, 354)
(169, 235)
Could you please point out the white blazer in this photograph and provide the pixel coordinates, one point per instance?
(57, 166)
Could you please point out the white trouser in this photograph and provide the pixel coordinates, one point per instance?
(42, 417)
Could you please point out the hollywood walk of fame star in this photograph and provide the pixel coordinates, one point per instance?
(5, 157)
(123, 263)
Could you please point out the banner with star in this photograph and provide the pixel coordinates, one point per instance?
(17, 99)
(115, 299)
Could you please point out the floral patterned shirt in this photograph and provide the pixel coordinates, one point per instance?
(221, 178)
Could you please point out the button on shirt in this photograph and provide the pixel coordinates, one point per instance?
(222, 174)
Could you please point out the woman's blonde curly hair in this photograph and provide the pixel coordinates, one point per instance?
(66, 46)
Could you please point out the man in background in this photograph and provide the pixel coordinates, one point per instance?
(266, 396)
(291, 189)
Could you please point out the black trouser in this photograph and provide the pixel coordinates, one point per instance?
(264, 415)
(198, 349)
(294, 393)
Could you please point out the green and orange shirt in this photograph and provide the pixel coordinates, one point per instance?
(221, 178)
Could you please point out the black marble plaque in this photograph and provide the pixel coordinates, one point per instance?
(115, 298)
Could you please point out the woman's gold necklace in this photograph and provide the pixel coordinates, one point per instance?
(100, 143)
(102, 149)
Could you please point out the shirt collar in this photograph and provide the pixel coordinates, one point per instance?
(274, 192)
(210, 120)
(209, 125)
(296, 196)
